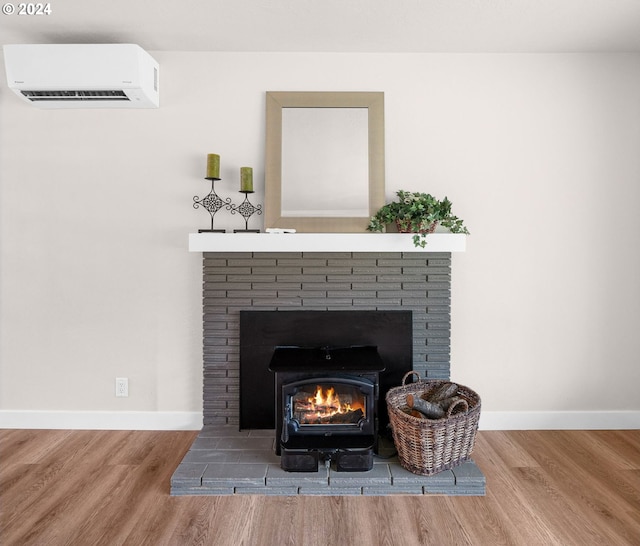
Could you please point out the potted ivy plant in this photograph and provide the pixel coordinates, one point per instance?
(418, 213)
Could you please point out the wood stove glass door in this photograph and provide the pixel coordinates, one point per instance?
(320, 403)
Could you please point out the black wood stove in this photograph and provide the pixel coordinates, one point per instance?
(326, 406)
(319, 379)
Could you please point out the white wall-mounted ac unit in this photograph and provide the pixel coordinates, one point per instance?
(83, 75)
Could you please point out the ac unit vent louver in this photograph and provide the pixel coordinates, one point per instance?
(75, 95)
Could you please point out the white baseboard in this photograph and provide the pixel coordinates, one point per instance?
(559, 420)
(101, 420)
(167, 420)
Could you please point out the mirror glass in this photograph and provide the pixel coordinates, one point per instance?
(324, 166)
(325, 162)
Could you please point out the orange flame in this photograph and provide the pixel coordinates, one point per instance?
(325, 403)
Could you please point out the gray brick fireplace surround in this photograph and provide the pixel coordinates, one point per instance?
(224, 460)
(414, 281)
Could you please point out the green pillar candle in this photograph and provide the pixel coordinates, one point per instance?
(246, 179)
(213, 166)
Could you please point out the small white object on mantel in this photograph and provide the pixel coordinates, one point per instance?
(323, 242)
(280, 230)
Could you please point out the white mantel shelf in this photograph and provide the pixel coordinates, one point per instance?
(323, 242)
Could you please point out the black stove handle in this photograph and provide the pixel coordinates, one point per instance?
(284, 437)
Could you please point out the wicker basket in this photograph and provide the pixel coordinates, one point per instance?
(429, 446)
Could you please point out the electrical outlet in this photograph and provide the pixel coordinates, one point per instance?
(122, 386)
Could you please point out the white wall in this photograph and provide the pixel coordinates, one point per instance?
(540, 155)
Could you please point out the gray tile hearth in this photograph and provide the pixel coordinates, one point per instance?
(225, 461)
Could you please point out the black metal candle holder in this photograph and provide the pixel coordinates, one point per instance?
(246, 209)
(212, 202)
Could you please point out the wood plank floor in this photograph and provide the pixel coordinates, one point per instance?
(112, 487)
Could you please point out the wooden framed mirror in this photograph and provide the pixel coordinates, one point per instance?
(324, 165)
